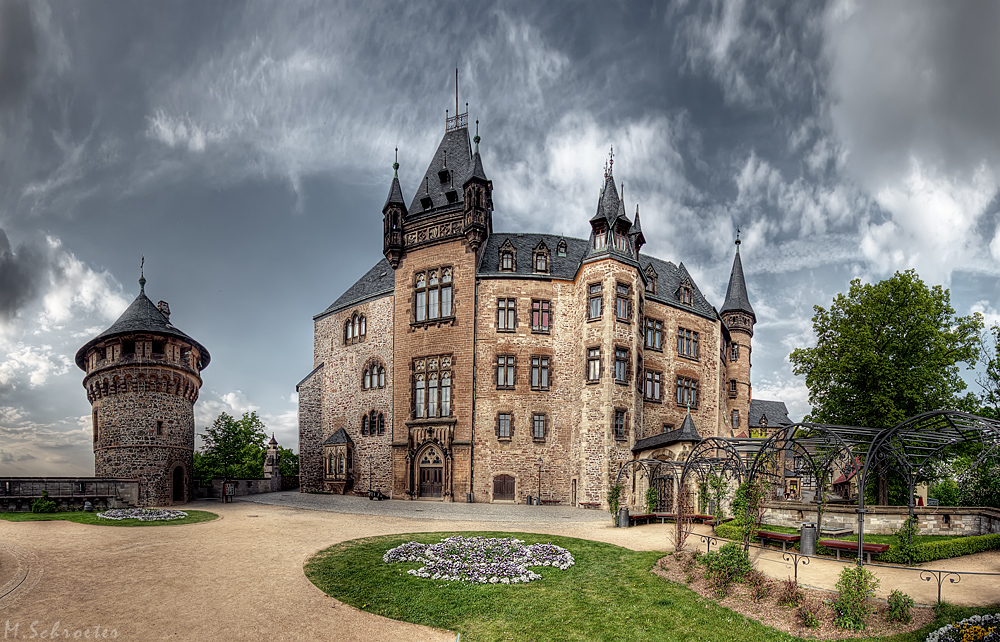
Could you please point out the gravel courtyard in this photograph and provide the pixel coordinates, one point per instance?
(240, 577)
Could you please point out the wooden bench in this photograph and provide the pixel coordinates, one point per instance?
(550, 502)
(632, 519)
(713, 522)
(701, 518)
(591, 505)
(784, 538)
(665, 516)
(842, 545)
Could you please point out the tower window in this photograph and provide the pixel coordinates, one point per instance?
(654, 334)
(619, 426)
(687, 392)
(431, 387)
(687, 343)
(595, 302)
(734, 352)
(621, 365)
(622, 293)
(732, 389)
(593, 364)
(432, 294)
(159, 427)
(736, 419)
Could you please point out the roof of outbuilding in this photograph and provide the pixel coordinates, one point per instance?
(339, 437)
(142, 316)
(686, 433)
(378, 281)
(454, 153)
(775, 411)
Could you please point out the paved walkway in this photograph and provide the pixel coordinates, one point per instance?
(240, 577)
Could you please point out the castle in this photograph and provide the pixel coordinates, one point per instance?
(473, 365)
(142, 380)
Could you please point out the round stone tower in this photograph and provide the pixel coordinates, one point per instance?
(142, 380)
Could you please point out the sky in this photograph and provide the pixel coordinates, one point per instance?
(245, 150)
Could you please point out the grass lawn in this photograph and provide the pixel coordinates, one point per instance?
(81, 517)
(608, 595)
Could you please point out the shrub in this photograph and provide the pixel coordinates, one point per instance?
(43, 504)
(899, 607)
(855, 588)
(727, 565)
(759, 585)
(939, 550)
(945, 491)
(789, 593)
(808, 614)
(905, 537)
(614, 501)
(652, 499)
(729, 530)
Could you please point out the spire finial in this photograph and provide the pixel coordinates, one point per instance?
(611, 163)
(395, 165)
(689, 406)
(456, 91)
(738, 241)
(476, 138)
(142, 277)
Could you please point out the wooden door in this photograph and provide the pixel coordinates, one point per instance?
(430, 482)
(503, 488)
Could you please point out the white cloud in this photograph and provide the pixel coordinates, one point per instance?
(990, 315)
(36, 363)
(792, 391)
(284, 424)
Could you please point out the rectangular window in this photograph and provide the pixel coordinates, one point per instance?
(433, 294)
(687, 392)
(600, 238)
(431, 388)
(593, 364)
(539, 316)
(621, 365)
(421, 389)
(159, 427)
(504, 425)
(507, 261)
(505, 371)
(654, 334)
(540, 373)
(445, 395)
(506, 314)
(653, 380)
(619, 426)
(538, 427)
(734, 352)
(732, 389)
(736, 419)
(687, 343)
(595, 304)
(432, 395)
(622, 302)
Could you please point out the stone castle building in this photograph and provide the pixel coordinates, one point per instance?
(492, 365)
(142, 380)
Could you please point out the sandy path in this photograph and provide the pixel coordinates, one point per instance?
(240, 577)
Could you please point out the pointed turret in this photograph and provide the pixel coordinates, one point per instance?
(737, 299)
(635, 233)
(393, 213)
(477, 223)
(688, 432)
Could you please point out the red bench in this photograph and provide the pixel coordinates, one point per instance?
(784, 538)
(592, 505)
(701, 518)
(712, 522)
(665, 516)
(632, 519)
(841, 545)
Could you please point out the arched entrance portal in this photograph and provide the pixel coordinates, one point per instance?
(431, 466)
(179, 484)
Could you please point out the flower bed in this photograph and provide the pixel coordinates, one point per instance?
(480, 560)
(978, 628)
(142, 514)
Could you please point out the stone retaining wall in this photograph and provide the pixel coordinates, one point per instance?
(885, 520)
(17, 493)
(248, 486)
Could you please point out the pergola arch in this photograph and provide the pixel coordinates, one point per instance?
(713, 456)
(653, 469)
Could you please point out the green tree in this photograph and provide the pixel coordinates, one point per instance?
(885, 352)
(989, 379)
(289, 464)
(233, 448)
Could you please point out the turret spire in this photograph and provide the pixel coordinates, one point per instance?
(142, 277)
(737, 299)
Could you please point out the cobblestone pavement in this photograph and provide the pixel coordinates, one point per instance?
(433, 510)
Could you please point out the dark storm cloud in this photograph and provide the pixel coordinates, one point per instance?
(18, 51)
(21, 274)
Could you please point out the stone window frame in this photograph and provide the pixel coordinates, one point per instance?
(159, 428)
(653, 386)
(507, 312)
(97, 425)
(535, 417)
(442, 291)
(687, 344)
(686, 390)
(623, 302)
(619, 424)
(507, 259)
(505, 432)
(595, 295)
(736, 418)
(541, 308)
(373, 375)
(541, 261)
(544, 372)
(506, 371)
(656, 327)
(733, 389)
(355, 328)
(651, 278)
(594, 361)
(422, 368)
(684, 292)
(623, 361)
(734, 352)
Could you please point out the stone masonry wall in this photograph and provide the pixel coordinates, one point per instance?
(885, 520)
(311, 432)
(344, 400)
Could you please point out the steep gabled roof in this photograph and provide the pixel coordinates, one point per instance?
(454, 154)
(775, 411)
(668, 282)
(737, 299)
(686, 433)
(339, 437)
(141, 317)
(377, 282)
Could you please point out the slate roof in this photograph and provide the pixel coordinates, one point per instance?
(477, 169)
(668, 285)
(561, 267)
(687, 432)
(309, 376)
(776, 412)
(378, 281)
(737, 298)
(395, 194)
(609, 205)
(339, 437)
(141, 316)
(456, 149)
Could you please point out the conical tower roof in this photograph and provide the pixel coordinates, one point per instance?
(395, 192)
(142, 316)
(452, 161)
(609, 204)
(688, 431)
(737, 299)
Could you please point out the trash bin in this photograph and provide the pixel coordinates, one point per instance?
(468, 498)
(623, 518)
(529, 501)
(807, 540)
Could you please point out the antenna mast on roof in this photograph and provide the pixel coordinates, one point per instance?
(456, 91)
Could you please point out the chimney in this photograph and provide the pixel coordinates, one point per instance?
(164, 309)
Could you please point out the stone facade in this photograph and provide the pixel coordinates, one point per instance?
(432, 315)
(142, 380)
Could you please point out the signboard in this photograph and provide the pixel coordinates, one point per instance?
(228, 491)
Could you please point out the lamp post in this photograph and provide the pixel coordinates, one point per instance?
(539, 481)
(371, 462)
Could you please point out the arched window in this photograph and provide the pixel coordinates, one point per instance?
(348, 333)
(366, 380)
(364, 425)
(363, 329)
(381, 377)
(340, 466)
(381, 424)
(372, 422)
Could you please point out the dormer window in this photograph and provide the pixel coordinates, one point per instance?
(561, 249)
(650, 279)
(508, 257)
(540, 258)
(600, 237)
(685, 292)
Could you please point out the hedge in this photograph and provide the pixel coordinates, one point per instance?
(728, 530)
(930, 551)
